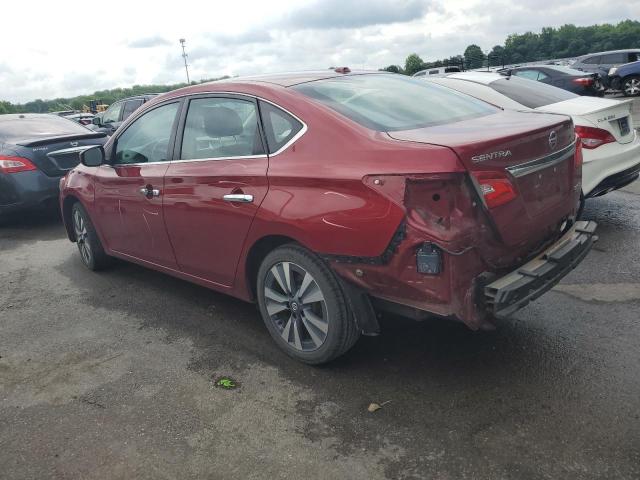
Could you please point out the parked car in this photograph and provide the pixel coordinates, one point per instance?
(626, 78)
(81, 118)
(611, 147)
(321, 195)
(436, 71)
(35, 151)
(604, 61)
(109, 120)
(575, 81)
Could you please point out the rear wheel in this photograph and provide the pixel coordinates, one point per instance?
(91, 250)
(631, 86)
(303, 306)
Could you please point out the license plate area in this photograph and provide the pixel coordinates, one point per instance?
(623, 125)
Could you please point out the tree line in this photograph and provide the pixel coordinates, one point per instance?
(77, 103)
(563, 42)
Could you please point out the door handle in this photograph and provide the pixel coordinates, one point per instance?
(149, 192)
(238, 197)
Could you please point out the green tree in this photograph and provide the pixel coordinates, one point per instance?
(413, 64)
(393, 69)
(473, 57)
(497, 56)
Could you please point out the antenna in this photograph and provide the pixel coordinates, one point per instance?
(184, 56)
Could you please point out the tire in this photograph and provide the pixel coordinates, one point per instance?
(303, 306)
(580, 207)
(631, 86)
(91, 250)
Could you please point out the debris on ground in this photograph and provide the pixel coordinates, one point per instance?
(373, 407)
(227, 383)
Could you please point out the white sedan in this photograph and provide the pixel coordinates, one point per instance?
(611, 146)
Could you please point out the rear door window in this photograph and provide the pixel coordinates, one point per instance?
(613, 58)
(528, 74)
(279, 126)
(221, 128)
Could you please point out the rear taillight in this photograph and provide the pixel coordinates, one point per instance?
(584, 81)
(592, 137)
(15, 164)
(495, 187)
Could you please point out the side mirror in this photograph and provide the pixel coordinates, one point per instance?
(96, 121)
(92, 156)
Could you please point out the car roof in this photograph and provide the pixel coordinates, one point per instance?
(289, 79)
(625, 50)
(484, 78)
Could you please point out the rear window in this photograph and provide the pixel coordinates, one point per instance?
(530, 93)
(565, 70)
(394, 102)
(34, 127)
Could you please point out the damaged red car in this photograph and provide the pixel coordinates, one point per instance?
(325, 196)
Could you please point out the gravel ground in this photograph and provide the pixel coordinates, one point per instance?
(111, 376)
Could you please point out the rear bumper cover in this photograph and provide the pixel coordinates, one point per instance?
(513, 291)
(616, 181)
(24, 190)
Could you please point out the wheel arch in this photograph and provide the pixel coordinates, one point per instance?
(258, 251)
(67, 207)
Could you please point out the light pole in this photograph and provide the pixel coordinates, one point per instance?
(184, 56)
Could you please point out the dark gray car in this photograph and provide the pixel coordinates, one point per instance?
(603, 61)
(36, 150)
(109, 120)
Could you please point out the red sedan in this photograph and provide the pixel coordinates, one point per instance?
(324, 196)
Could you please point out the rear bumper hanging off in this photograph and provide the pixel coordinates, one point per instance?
(508, 294)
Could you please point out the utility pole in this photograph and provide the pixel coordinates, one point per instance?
(184, 56)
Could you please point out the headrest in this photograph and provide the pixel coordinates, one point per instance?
(221, 122)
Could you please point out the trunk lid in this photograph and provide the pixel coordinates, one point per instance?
(57, 155)
(534, 151)
(613, 116)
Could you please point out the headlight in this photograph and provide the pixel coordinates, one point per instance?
(613, 70)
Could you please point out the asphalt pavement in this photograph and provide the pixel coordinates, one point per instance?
(112, 376)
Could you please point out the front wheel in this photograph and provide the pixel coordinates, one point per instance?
(303, 306)
(631, 86)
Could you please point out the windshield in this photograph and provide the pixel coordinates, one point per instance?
(394, 102)
(530, 93)
(33, 127)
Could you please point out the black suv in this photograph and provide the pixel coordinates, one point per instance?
(109, 120)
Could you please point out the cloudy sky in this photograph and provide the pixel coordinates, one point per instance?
(51, 49)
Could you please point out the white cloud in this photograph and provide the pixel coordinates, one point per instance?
(64, 53)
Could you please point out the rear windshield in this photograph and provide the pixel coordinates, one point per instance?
(394, 102)
(34, 127)
(530, 93)
(565, 70)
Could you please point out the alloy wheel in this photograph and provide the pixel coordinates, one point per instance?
(82, 236)
(296, 306)
(632, 87)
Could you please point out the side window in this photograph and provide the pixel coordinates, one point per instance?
(130, 106)
(279, 126)
(529, 74)
(420, 74)
(542, 76)
(112, 114)
(219, 128)
(434, 72)
(633, 57)
(147, 138)
(612, 58)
